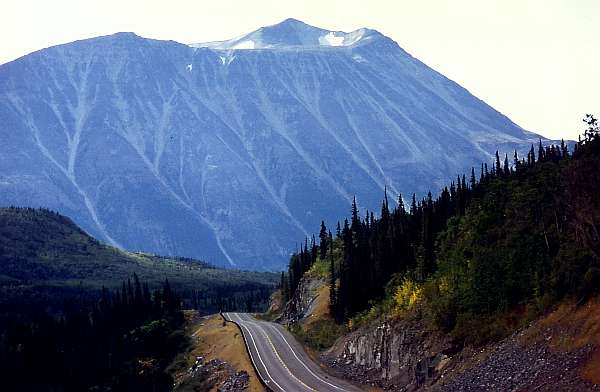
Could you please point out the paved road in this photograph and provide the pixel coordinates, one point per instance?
(281, 362)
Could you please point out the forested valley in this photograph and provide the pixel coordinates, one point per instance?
(78, 315)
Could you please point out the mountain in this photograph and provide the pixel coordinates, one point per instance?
(45, 259)
(230, 151)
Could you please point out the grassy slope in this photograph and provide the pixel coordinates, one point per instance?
(41, 251)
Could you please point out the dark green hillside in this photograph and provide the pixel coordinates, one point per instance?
(45, 258)
(527, 240)
(493, 250)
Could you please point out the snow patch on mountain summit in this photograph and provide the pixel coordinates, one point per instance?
(291, 33)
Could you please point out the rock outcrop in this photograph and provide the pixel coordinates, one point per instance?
(300, 305)
(213, 375)
(408, 356)
(399, 356)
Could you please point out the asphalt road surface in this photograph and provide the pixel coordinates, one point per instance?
(281, 362)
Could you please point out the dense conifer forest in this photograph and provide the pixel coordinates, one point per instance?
(123, 343)
(513, 237)
(47, 260)
(78, 315)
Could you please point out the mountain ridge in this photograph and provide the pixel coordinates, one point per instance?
(153, 145)
(293, 34)
(45, 258)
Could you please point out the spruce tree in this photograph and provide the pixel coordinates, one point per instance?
(323, 241)
(497, 167)
(400, 204)
(564, 149)
(355, 218)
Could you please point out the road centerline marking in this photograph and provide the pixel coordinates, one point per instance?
(281, 360)
(240, 323)
(303, 364)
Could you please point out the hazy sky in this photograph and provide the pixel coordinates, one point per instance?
(537, 61)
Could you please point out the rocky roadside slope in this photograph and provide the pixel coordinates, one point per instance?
(302, 304)
(405, 355)
(391, 355)
(512, 366)
(206, 376)
(558, 352)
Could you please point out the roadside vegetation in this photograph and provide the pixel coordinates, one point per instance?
(319, 331)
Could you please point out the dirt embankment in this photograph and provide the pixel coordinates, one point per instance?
(217, 360)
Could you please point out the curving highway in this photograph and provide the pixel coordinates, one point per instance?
(280, 361)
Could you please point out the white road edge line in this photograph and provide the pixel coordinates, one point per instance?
(257, 353)
(299, 360)
(281, 359)
(303, 364)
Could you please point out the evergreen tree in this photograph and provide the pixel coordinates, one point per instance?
(541, 155)
(497, 167)
(404, 243)
(323, 241)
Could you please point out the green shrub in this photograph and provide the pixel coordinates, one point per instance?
(320, 334)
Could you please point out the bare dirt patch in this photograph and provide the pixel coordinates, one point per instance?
(218, 359)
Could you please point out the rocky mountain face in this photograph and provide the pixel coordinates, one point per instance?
(231, 151)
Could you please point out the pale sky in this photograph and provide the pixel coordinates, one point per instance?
(537, 61)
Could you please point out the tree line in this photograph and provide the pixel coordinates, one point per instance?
(228, 299)
(517, 203)
(123, 343)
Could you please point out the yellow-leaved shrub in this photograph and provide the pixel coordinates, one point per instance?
(407, 296)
